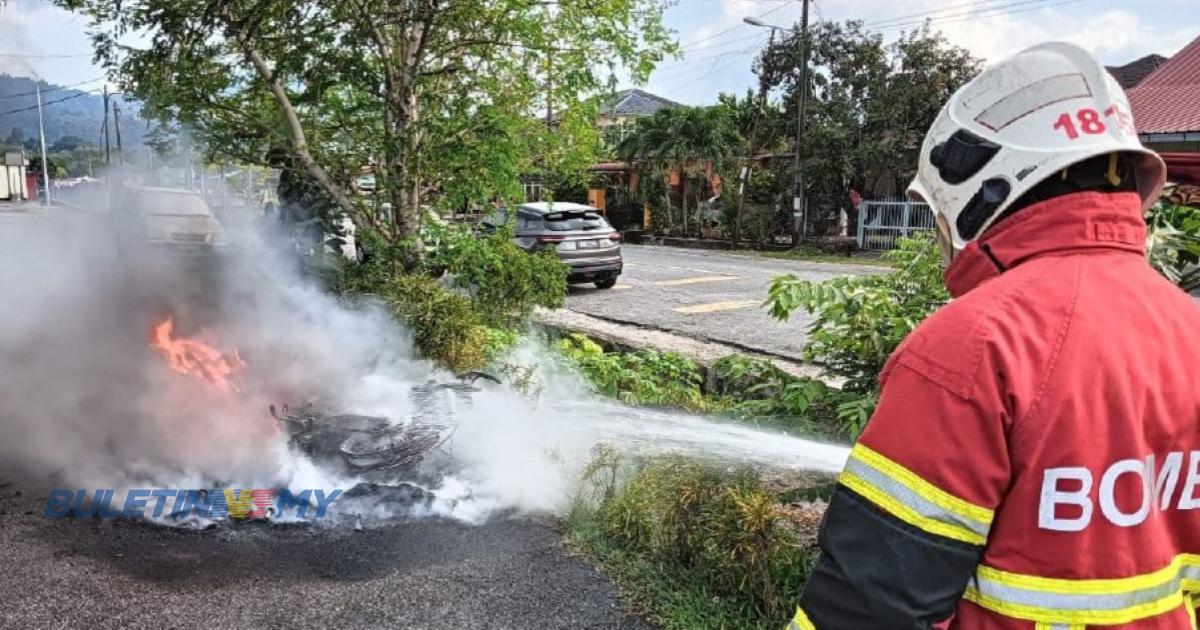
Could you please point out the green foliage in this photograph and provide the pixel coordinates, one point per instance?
(702, 547)
(642, 377)
(495, 286)
(1173, 243)
(859, 320)
(759, 391)
(436, 95)
(444, 326)
(504, 282)
(869, 103)
(686, 140)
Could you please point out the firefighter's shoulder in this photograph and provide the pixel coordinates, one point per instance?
(1008, 324)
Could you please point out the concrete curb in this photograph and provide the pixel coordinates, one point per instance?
(705, 352)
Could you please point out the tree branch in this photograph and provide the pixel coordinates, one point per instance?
(298, 138)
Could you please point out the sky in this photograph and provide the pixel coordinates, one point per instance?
(718, 48)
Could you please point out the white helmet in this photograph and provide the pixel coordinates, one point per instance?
(1017, 123)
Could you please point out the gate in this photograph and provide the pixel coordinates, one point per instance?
(882, 221)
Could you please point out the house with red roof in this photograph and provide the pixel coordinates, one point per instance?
(1166, 110)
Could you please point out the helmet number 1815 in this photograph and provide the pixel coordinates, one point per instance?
(1091, 123)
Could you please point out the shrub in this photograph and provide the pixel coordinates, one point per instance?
(860, 320)
(642, 377)
(443, 324)
(756, 389)
(707, 547)
(1173, 243)
(504, 282)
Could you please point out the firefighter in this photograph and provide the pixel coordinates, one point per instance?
(1034, 459)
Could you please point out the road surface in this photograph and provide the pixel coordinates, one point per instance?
(707, 295)
(423, 574)
(509, 573)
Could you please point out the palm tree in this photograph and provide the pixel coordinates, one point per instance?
(683, 139)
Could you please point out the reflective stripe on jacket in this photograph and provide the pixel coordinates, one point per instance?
(1034, 461)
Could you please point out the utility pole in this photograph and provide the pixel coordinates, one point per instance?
(107, 147)
(799, 202)
(117, 126)
(42, 136)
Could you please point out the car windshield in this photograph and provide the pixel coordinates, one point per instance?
(574, 221)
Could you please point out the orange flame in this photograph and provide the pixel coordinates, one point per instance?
(190, 356)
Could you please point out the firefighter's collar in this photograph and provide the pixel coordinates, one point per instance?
(1086, 220)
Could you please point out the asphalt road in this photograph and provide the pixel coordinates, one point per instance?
(707, 295)
(510, 573)
(424, 574)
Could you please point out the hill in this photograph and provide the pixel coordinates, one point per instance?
(69, 113)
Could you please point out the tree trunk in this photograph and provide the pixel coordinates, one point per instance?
(683, 191)
(744, 182)
(297, 137)
(667, 198)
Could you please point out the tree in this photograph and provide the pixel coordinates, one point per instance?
(437, 95)
(692, 140)
(67, 143)
(16, 137)
(870, 103)
(754, 117)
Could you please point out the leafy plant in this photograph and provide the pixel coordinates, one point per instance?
(443, 324)
(1173, 242)
(760, 391)
(642, 377)
(504, 282)
(705, 547)
(858, 321)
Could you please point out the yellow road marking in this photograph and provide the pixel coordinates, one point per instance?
(623, 286)
(716, 306)
(695, 280)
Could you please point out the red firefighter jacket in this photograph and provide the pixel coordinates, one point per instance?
(1034, 461)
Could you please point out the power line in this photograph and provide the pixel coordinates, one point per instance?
(968, 18)
(692, 45)
(922, 14)
(54, 89)
(25, 109)
(37, 56)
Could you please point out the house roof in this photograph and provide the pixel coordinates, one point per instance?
(1168, 100)
(1133, 72)
(635, 102)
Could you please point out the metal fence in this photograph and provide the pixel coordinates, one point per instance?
(882, 221)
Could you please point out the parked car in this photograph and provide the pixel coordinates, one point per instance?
(579, 234)
(170, 220)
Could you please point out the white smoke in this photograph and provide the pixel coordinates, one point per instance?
(85, 402)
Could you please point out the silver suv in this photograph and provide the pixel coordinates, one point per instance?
(579, 234)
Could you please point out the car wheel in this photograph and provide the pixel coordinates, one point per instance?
(607, 283)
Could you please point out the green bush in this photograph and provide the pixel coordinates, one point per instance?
(642, 377)
(444, 326)
(757, 390)
(1173, 243)
(504, 282)
(859, 320)
(703, 547)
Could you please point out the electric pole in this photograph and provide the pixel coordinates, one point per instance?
(107, 147)
(799, 202)
(42, 136)
(117, 126)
